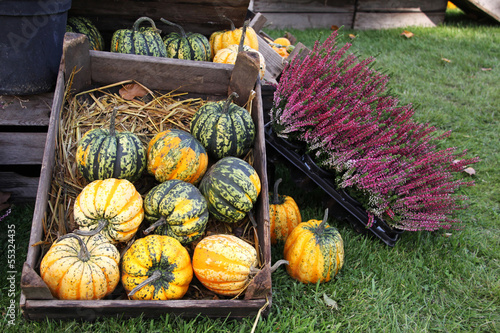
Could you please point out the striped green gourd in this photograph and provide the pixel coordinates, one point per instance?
(176, 209)
(223, 128)
(139, 40)
(231, 187)
(103, 153)
(176, 154)
(83, 25)
(187, 46)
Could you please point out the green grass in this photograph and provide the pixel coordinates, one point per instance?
(445, 281)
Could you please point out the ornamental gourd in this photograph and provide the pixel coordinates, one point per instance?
(314, 251)
(139, 40)
(156, 267)
(223, 128)
(103, 153)
(224, 264)
(176, 209)
(112, 207)
(188, 46)
(231, 187)
(284, 215)
(81, 267)
(229, 53)
(83, 25)
(176, 154)
(221, 39)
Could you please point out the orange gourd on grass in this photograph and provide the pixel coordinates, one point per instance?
(284, 215)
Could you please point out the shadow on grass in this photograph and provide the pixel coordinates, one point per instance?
(458, 18)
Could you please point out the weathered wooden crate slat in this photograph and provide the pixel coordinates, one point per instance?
(23, 129)
(92, 67)
(201, 16)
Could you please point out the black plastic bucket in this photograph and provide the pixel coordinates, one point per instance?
(31, 39)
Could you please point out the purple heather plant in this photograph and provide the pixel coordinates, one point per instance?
(338, 106)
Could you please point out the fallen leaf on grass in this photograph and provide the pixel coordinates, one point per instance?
(407, 34)
(486, 69)
(132, 90)
(334, 27)
(351, 36)
(446, 60)
(330, 302)
(470, 171)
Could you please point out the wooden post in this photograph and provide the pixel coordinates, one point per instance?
(244, 75)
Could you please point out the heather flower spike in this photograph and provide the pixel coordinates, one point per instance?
(338, 105)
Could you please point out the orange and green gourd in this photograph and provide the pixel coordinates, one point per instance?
(176, 154)
(139, 40)
(81, 267)
(84, 25)
(223, 128)
(177, 209)
(187, 46)
(224, 264)
(231, 187)
(103, 153)
(112, 207)
(284, 215)
(314, 251)
(156, 267)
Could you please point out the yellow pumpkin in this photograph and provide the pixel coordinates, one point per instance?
(284, 215)
(282, 41)
(229, 54)
(221, 39)
(81, 267)
(314, 251)
(156, 267)
(110, 206)
(224, 264)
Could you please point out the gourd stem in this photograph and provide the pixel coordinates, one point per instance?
(323, 222)
(138, 22)
(277, 264)
(155, 225)
(156, 275)
(112, 131)
(102, 224)
(84, 254)
(228, 101)
(252, 218)
(276, 198)
(183, 32)
(243, 35)
(228, 19)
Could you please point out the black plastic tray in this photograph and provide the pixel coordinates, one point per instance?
(308, 175)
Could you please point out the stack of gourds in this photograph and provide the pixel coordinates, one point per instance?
(198, 174)
(220, 47)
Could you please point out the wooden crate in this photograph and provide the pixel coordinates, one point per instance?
(361, 14)
(23, 129)
(201, 79)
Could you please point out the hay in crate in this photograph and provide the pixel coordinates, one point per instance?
(145, 116)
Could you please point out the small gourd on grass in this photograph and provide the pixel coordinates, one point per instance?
(221, 39)
(176, 154)
(139, 40)
(156, 267)
(81, 267)
(187, 46)
(284, 215)
(224, 128)
(103, 153)
(315, 251)
(176, 209)
(112, 207)
(231, 187)
(84, 25)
